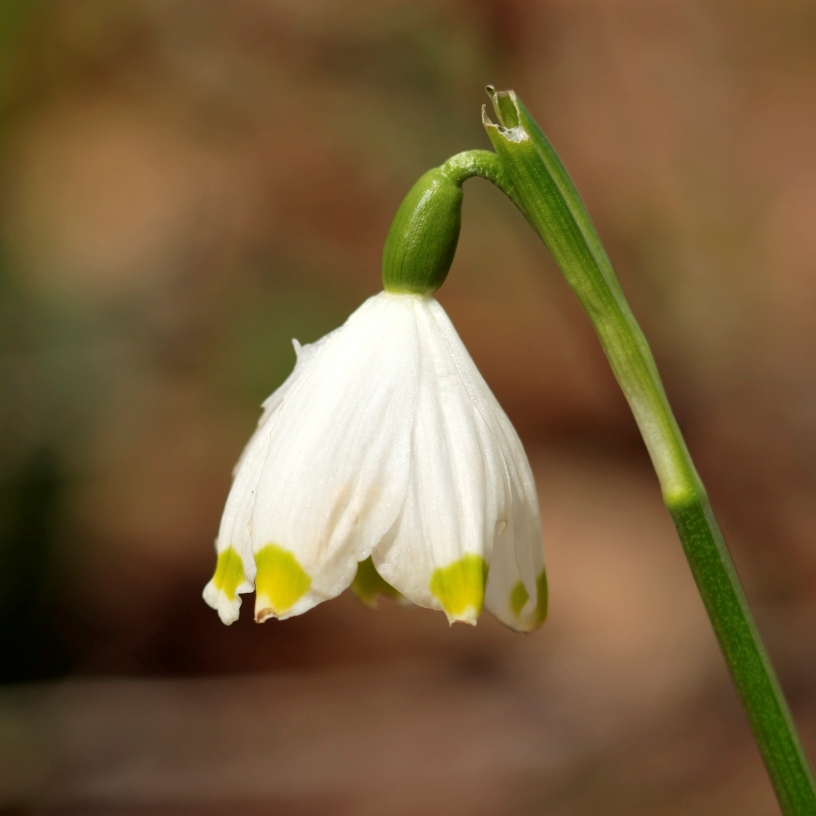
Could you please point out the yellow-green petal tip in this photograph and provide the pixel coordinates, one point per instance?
(368, 584)
(519, 597)
(229, 572)
(460, 587)
(280, 582)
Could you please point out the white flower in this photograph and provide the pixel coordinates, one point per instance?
(385, 443)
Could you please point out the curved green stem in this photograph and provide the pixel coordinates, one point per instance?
(482, 164)
(544, 192)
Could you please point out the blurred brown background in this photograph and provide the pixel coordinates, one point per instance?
(187, 185)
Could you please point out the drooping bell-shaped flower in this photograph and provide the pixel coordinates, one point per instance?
(385, 462)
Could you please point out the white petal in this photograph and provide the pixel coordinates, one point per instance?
(507, 596)
(471, 494)
(438, 551)
(336, 471)
(517, 586)
(517, 565)
(235, 570)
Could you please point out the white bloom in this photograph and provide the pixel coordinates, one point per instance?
(384, 442)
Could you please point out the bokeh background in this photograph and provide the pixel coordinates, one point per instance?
(185, 185)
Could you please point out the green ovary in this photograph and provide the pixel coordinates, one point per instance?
(229, 572)
(280, 581)
(368, 583)
(519, 596)
(460, 586)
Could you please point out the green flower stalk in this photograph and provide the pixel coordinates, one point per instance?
(549, 200)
